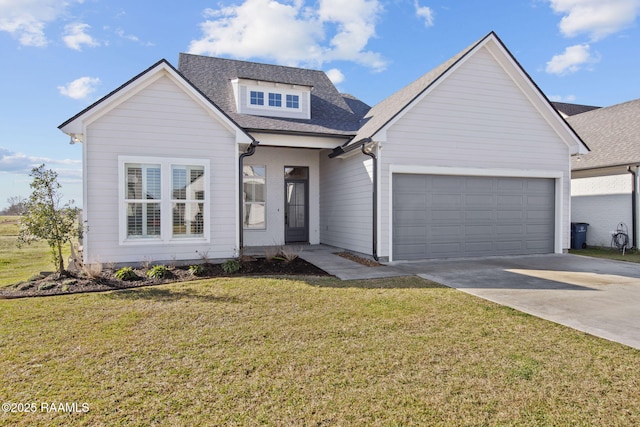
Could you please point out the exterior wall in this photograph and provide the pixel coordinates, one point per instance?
(159, 121)
(345, 201)
(275, 159)
(603, 202)
(477, 118)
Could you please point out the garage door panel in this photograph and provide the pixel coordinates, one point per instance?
(455, 216)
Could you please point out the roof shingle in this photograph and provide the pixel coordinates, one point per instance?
(332, 113)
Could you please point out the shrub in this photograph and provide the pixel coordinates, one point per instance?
(197, 270)
(46, 286)
(158, 272)
(126, 273)
(231, 266)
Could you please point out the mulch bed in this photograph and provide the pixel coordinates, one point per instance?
(50, 284)
(359, 259)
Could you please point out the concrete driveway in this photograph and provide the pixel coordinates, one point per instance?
(596, 296)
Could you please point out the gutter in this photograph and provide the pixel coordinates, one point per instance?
(338, 151)
(251, 149)
(635, 189)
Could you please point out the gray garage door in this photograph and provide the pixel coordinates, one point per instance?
(437, 216)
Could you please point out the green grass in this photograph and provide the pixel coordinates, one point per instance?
(18, 264)
(608, 253)
(270, 351)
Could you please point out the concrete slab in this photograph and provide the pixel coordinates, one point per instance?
(324, 257)
(597, 296)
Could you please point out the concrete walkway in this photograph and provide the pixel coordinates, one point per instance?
(325, 257)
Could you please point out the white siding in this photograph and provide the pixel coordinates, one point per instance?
(346, 202)
(603, 202)
(275, 159)
(476, 118)
(160, 120)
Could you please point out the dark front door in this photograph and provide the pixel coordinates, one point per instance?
(296, 202)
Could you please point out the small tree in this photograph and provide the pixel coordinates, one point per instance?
(45, 219)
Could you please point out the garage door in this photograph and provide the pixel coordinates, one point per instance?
(437, 216)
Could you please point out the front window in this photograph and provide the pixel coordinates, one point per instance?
(254, 183)
(143, 200)
(163, 199)
(187, 194)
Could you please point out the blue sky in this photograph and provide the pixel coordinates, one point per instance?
(59, 56)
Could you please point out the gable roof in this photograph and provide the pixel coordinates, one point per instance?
(384, 113)
(75, 124)
(331, 112)
(572, 109)
(613, 133)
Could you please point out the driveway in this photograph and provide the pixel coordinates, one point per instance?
(596, 296)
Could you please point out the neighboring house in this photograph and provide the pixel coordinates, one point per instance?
(567, 110)
(604, 184)
(469, 160)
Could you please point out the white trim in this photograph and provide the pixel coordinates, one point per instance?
(558, 176)
(166, 201)
(124, 93)
(520, 79)
(440, 170)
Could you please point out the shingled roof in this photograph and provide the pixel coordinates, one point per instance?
(332, 113)
(572, 109)
(612, 133)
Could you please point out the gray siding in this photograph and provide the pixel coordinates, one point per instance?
(160, 120)
(345, 202)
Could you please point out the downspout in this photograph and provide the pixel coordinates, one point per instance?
(251, 149)
(375, 197)
(634, 204)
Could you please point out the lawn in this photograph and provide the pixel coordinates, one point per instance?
(17, 264)
(306, 351)
(608, 253)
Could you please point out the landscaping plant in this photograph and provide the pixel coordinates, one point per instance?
(45, 218)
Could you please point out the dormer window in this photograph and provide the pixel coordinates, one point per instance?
(273, 99)
(257, 98)
(293, 101)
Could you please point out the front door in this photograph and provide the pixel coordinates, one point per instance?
(296, 202)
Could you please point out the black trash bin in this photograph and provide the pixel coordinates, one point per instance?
(579, 235)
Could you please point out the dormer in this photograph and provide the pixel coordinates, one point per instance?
(274, 99)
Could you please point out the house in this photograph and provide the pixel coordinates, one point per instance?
(470, 159)
(604, 182)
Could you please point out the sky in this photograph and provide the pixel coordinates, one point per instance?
(60, 56)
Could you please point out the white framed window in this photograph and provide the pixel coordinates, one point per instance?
(256, 98)
(163, 200)
(275, 99)
(254, 189)
(293, 101)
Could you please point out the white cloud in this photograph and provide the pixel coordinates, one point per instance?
(255, 28)
(565, 98)
(13, 162)
(573, 58)
(425, 13)
(335, 76)
(120, 33)
(27, 19)
(80, 88)
(76, 36)
(597, 18)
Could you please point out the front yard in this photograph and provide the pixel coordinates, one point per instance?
(305, 351)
